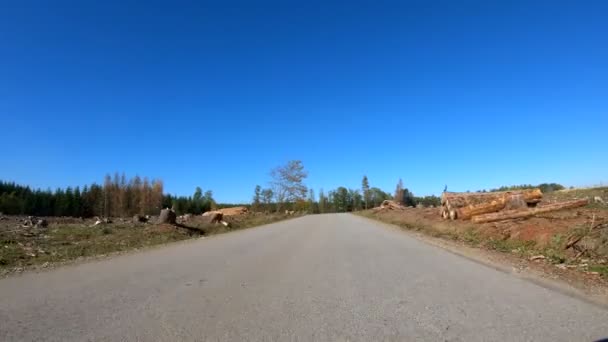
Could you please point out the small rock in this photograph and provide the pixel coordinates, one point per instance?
(593, 273)
(537, 257)
(561, 266)
(598, 199)
(45, 265)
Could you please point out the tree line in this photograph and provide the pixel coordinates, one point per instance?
(116, 197)
(287, 191)
(544, 187)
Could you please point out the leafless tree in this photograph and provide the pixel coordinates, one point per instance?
(288, 183)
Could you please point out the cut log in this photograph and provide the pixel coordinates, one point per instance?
(483, 208)
(462, 199)
(391, 205)
(514, 214)
(212, 217)
(508, 202)
(467, 205)
(515, 202)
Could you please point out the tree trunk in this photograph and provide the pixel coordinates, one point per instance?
(514, 214)
(483, 208)
(467, 205)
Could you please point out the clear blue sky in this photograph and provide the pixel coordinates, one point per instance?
(472, 94)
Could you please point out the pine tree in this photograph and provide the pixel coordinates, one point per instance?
(311, 202)
(365, 191)
(77, 211)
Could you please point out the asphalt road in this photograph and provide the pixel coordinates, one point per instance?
(324, 277)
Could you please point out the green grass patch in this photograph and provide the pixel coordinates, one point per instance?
(601, 269)
(472, 237)
(508, 246)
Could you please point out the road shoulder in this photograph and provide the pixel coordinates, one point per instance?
(568, 283)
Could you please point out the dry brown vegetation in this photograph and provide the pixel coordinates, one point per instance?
(65, 239)
(570, 238)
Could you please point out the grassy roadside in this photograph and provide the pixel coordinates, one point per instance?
(61, 242)
(552, 252)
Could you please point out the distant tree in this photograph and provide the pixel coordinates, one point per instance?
(77, 211)
(107, 196)
(322, 201)
(366, 191)
(257, 198)
(196, 206)
(267, 196)
(312, 206)
(288, 182)
(428, 201)
(398, 197)
(356, 200)
(377, 196)
(341, 199)
(209, 200)
(408, 198)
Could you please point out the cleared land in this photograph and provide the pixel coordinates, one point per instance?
(65, 239)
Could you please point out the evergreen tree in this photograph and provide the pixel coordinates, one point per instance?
(311, 202)
(365, 190)
(77, 208)
(322, 201)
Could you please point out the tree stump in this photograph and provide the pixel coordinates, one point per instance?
(167, 216)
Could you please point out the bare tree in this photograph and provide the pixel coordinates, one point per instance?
(288, 182)
(267, 196)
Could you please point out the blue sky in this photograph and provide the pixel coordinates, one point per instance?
(472, 94)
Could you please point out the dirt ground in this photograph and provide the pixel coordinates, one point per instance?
(538, 242)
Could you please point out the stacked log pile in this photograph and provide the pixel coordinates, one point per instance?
(456, 205)
(497, 206)
(390, 205)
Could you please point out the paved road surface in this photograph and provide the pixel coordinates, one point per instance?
(325, 277)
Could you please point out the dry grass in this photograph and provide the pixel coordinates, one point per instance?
(70, 241)
(21, 248)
